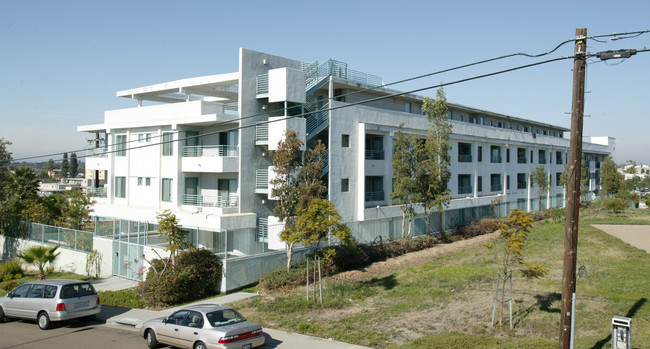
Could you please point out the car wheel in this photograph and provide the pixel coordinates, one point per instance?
(43, 321)
(200, 345)
(152, 342)
(2, 315)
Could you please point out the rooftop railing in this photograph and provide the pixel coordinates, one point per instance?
(211, 150)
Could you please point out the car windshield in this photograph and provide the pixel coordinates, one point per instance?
(224, 317)
(77, 290)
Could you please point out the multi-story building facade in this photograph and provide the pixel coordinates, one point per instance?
(201, 147)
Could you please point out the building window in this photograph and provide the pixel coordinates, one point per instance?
(139, 181)
(521, 181)
(120, 145)
(450, 114)
(508, 182)
(464, 152)
(120, 187)
(521, 155)
(495, 154)
(480, 153)
(374, 147)
(148, 137)
(345, 141)
(525, 128)
(407, 107)
(541, 156)
(147, 181)
(558, 179)
(464, 184)
(167, 147)
(374, 188)
(479, 184)
(495, 182)
(558, 157)
(531, 156)
(166, 190)
(141, 138)
(507, 155)
(345, 185)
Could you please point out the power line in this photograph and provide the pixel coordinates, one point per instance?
(594, 37)
(347, 105)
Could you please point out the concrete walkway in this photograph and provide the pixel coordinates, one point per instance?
(635, 235)
(135, 318)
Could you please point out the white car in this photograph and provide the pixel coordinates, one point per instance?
(203, 326)
(50, 300)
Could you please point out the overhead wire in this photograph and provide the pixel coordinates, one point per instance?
(267, 113)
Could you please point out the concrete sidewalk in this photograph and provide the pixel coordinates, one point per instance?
(274, 338)
(635, 235)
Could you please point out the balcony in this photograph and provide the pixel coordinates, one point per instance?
(96, 192)
(374, 155)
(210, 201)
(262, 134)
(262, 86)
(374, 196)
(97, 159)
(495, 159)
(496, 187)
(464, 158)
(182, 113)
(215, 159)
(262, 181)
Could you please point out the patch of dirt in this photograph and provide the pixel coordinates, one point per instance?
(389, 266)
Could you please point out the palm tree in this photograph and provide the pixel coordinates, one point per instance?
(39, 256)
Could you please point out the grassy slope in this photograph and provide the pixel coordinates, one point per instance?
(448, 303)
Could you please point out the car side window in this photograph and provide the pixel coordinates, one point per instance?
(36, 291)
(194, 319)
(21, 291)
(178, 318)
(50, 291)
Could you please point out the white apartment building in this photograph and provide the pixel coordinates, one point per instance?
(201, 147)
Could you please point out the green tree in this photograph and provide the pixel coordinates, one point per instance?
(175, 237)
(616, 204)
(65, 166)
(611, 180)
(433, 172)
(318, 220)
(5, 161)
(74, 165)
(404, 168)
(539, 177)
(309, 175)
(50, 166)
(514, 233)
(39, 256)
(584, 179)
(75, 209)
(24, 183)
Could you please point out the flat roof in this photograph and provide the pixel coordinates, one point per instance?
(221, 86)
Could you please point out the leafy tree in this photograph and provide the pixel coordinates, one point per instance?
(175, 237)
(39, 256)
(611, 180)
(5, 161)
(514, 232)
(433, 173)
(404, 167)
(584, 179)
(74, 165)
(315, 222)
(539, 177)
(65, 166)
(309, 176)
(50, 166)
(75, 211)
(24, 183)
(617, 205)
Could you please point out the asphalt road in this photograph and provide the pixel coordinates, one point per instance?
(21, 334)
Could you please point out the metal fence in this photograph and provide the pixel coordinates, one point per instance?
(78, 240)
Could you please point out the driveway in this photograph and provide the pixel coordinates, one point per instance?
(635, 235)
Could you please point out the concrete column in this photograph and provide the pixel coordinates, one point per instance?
(361, 173)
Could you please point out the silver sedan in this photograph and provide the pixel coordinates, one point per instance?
(203, 326)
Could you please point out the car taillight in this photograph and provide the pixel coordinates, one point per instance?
(241, 336)
(98, 302)
(60, 307)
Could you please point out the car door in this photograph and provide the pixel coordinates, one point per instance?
(189, 332)
(13, 306)
(34, 301)
(168, 332)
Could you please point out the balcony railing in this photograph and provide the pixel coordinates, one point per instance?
(231, 108)
(496, 187)
(464, 158)
(464, 189)
(97, 153)
(210, 150)
(521, 160)
(210, 201)
(495, 159)
(374, 155)
(262, 133)
(374, 196)
(262, 84)
(262, 179)
(96, 192)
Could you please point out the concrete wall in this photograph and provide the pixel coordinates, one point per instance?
(69, 260)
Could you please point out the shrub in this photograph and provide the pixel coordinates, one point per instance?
(123, 298)
(541, 215)
(10, 285)
(196, 276)
(478, 227)
(11, 269)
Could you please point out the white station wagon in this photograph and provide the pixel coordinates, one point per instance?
(50, 300)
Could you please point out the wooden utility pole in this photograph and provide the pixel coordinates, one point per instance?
(573, 192)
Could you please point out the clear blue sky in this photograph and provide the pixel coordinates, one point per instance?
(61, 62)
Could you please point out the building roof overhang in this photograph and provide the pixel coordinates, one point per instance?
(222, 87)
